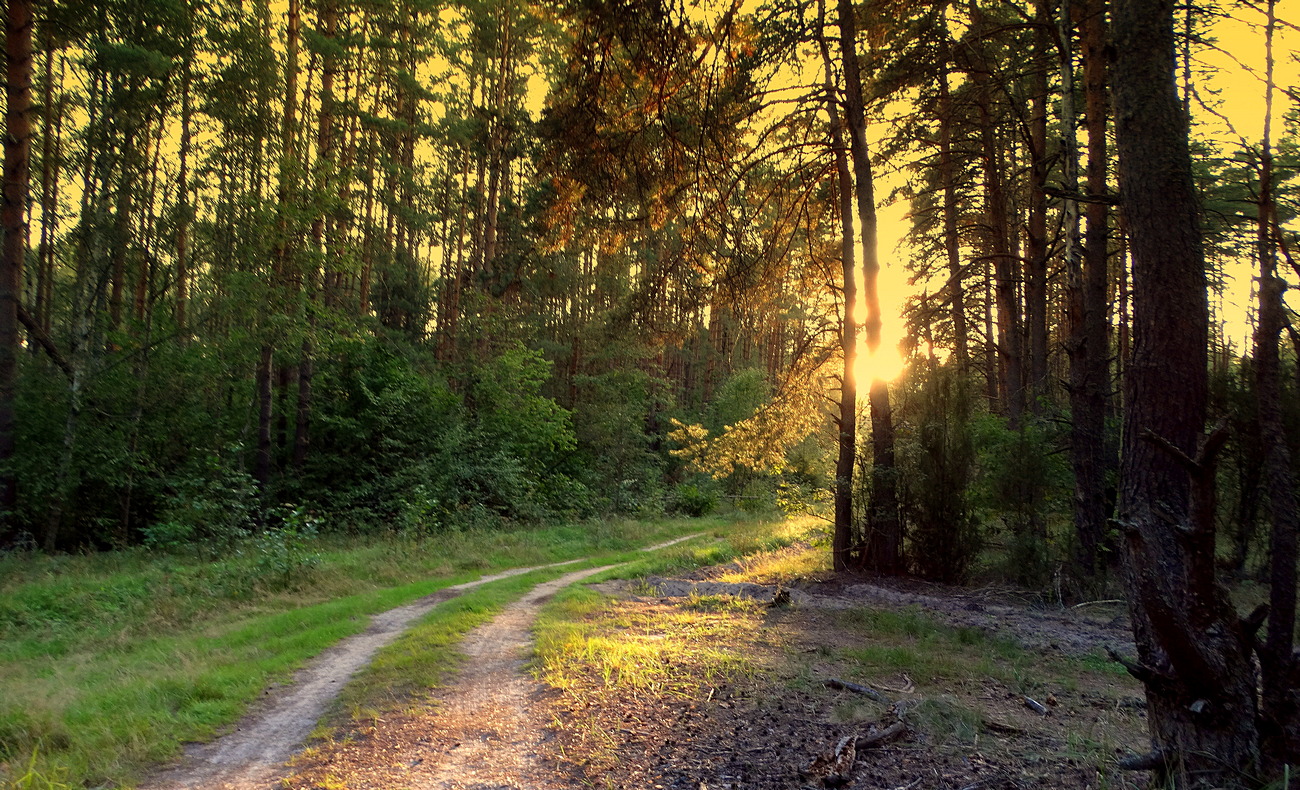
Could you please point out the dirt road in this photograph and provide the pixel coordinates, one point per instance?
(255, 753)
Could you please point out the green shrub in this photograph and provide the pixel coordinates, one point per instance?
(936, 458)
(693, 500)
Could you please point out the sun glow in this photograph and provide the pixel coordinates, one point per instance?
(887, 362)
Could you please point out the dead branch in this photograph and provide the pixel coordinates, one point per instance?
(857, 688)
(999, 727)
(1097, 603)
(43, 340)
(1138, 670)
(889, 733)
(1157, 760)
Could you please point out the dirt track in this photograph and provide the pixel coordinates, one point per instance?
(254, 754)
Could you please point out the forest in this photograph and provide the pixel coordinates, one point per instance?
(364, 267)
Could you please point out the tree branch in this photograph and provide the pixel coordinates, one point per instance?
(43, 340)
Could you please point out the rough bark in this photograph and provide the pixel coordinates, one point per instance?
(951, 243)
(1279, 702)
(13, 249)
(1193, 653)
(265, 409)
(842, 541)
(1036, 227)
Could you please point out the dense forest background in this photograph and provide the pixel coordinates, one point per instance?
(428, 265)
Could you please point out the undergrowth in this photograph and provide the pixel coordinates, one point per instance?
(111, 661)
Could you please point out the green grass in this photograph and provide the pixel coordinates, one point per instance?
(675, 652)
(111, 661)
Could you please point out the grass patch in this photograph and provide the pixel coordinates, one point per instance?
(668, 652)
(671, 650)
(907, 640)
(112, 661)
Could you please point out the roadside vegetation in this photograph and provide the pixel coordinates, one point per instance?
(112, 660)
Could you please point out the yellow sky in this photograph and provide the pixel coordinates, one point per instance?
(1234, 79)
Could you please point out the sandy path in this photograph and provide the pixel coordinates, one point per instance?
(253, 755)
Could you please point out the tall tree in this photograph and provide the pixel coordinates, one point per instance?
(1193, 649)
(1087, 278)
(884, 549)
(13, 248)
(1280, 703)
(842, 545)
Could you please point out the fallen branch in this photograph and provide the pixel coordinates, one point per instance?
(999, 727)
(43, 340)
(1097, 603)
(889, 733)
(835, 767)
(857, 688)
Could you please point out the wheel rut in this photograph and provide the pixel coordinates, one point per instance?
(492, 739)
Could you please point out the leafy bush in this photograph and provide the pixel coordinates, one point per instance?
(212, 505)
(1022, 483)
(690, 499)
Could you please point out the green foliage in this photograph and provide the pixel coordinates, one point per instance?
(737, 398)
(618, 453)
(937, 464)
(1023, 480)
(694, 499)
(285, 554)
(211, 504)
(396, 444)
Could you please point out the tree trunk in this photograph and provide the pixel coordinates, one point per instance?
(884, 550)
(1088, 348)
(1036, 228)
(951, 242)
(842, 541)
(1280, 703)
(265, 412)
(1194, 654)
(13, 223)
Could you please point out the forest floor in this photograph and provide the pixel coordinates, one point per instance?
(710, 681)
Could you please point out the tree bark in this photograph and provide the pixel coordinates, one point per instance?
(1194, 655)
(951, 242)
(1087, 278)
(1279, 702)
(842, 541)
(13, 248)
(1036, 228)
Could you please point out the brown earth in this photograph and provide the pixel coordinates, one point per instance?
(766, 728)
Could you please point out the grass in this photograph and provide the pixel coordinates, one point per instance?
(677, 651)
(111, 661)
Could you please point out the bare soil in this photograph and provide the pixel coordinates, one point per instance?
(776, 727)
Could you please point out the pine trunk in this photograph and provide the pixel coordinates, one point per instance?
(13, 248)
(1193, 651)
